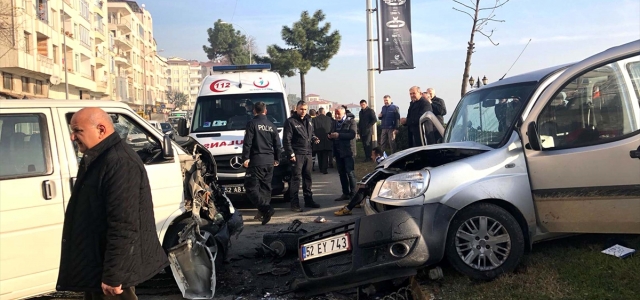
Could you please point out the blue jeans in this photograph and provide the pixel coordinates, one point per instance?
(347, 177)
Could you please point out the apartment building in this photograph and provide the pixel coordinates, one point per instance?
(138, 70)
(49, 37)
(184, 76)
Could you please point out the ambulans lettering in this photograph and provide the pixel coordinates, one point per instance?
(224, 144)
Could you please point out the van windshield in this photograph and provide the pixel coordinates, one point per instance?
(232, 112)
(487, 115)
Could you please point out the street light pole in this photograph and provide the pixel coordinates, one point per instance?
(370, 71)
(64, 45)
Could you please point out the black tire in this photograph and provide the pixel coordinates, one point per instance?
(458, 246)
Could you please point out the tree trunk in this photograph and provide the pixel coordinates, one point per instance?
(303, 90)
(470, 47)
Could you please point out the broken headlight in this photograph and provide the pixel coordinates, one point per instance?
(405, 185)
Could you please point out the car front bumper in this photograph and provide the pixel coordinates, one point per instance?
(385, 245)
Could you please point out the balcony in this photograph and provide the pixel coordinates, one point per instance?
(100, 61)
(121, 24)
(101, 87)
(123, 43)
(99, 33)
(45, 64)
(122, 61)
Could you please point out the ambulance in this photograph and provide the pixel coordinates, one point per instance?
(222, 110)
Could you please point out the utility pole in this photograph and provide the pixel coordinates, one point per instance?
(370, 70)
(64, 46)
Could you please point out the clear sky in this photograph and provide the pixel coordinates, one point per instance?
(562, 31)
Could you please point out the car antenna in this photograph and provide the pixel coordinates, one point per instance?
(525, 48)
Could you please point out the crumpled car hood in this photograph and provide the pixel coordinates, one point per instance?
(448, 146)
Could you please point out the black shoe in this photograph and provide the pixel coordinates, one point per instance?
(296, 208)
(312, 204)
(266, 217)
(325, 172)
(258, 216)
(343, 198)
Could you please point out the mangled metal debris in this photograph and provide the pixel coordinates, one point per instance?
(284, 240)
(193, 264)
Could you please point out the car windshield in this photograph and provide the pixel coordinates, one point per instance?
(232, 112)
(165, 126)
(486, 116)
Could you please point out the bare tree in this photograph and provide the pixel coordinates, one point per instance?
(251, 46)
(7, 27)
(479, 23)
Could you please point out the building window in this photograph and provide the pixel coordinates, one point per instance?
(25, 85)
(43, 11)
(55, 54)
(7, 82)
(85, 37)
(27, 42)
(84, 10)
(99, 23)
(38, 87)
(76, 62)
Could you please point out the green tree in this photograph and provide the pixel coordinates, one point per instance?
(178, 99)
(225, 41)
(309, 46)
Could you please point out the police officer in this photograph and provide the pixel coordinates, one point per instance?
(260, 155)
(298, 136)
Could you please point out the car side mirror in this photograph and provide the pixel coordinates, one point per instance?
(167, 148)
(534, 138)
(182, 127)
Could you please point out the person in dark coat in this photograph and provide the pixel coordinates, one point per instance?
(343, 135)
(109, 239)
(439, 109)
(330, 115)
(389, 122)
(419, 105)
(321, 127)
(365, 127)
(260, 153)
(297, 138)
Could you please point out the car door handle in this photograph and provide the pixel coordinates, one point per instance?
(635, 153)
(47, 190)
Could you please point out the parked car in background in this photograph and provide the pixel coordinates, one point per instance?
(163, 127)
(524, 159)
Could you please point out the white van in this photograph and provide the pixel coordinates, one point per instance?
(222, 110)
(38, 165)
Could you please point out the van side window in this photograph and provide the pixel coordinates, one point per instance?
(22, 140)
(634, 73)
(592, 109)
(142, 142)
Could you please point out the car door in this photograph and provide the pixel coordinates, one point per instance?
(165, 176)
(31, 203)
(585, 176)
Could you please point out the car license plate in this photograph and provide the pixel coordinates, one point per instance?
(234, 189)
(324, 247)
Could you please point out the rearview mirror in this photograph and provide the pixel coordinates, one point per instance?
(532, 135)
(182, 127)
(167, 148)
(490, 103)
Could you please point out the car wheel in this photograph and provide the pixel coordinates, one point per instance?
(484, 241)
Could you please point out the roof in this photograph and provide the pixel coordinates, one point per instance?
(313, 95)
(351, 105)
(133, 4)
(533, 76)
(319, 102)
(31, 103)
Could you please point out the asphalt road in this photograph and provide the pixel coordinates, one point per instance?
(248, 275)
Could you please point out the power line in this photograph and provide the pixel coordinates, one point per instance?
(234, 10)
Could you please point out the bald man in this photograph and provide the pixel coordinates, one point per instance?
(109, 241)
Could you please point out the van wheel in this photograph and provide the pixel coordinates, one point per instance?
(171, 239)
(484, 241)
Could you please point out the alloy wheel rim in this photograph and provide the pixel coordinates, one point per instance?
(483, 243)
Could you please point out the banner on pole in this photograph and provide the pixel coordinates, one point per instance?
(395, 35)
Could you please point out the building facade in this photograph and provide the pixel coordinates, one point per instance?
(184, 76)
(94, 48)
(52, 42)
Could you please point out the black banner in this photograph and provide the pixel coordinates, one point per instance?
(395, 35)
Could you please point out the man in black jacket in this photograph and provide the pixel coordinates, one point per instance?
(260, 154)
(298, 136)
(419, 105)
(365, 125)
(343, 134)
(322, 127)
(438, 105)
(109, 239)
